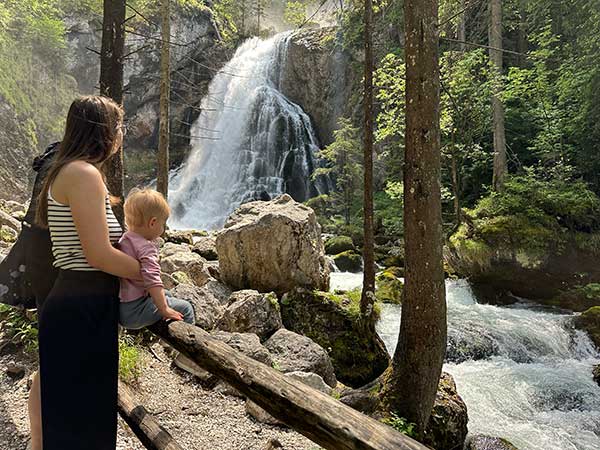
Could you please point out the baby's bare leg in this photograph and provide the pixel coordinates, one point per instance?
(35, 413)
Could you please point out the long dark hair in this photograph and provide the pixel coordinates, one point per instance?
(90, 134)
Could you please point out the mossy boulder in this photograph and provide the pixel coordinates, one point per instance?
(333, 321)
(589, 321)
(339, 244)
(348, 261)
(388, 288)
(579, 298)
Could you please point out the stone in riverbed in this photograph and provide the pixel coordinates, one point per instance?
(596, 374)
(249, 311)
(589, 321)
(482, 442)
(348, 261)
(292, 352)
(272, 246)
(339, 244)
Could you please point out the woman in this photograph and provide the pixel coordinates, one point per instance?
(78, 322)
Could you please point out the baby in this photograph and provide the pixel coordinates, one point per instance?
(144, 302)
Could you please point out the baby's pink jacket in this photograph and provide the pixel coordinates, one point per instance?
(146, 252)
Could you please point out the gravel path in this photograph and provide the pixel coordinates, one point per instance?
(197, 418)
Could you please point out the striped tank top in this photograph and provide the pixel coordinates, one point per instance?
(66, 246)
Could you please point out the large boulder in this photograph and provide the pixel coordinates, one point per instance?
(334, 322)
(338, 244)
(180, 258)
(206, 247)
(292, 352)
(272, 246)
(207, 308)
(348, 261)
(250, 311)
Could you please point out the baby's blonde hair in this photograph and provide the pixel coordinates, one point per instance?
(142, 205)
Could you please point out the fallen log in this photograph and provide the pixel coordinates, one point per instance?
(146, 428)
(319, 417)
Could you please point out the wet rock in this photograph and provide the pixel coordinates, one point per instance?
(333, 321)
(207, 308)
(292, 352)
(589, 321)
(246, 343)
(249, 311)
(596, 374)
(339, 244)
(447, 428)
(348, 261)
(272, 246)
(482, 442)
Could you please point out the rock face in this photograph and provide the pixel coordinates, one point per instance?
(272, 246)
(252, 312)
(332, 322)
(292, 352)
(313, 60)
(552, 278)
(482, 442)
(447, 428)
(18, 150)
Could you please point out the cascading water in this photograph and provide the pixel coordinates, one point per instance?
(257, 141)
(523, 372)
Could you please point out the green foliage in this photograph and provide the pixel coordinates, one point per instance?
(389, 208)
(130, 358)
(401, 425)
(295, 13)
(533, 214)
(19, 328)
(344, 158)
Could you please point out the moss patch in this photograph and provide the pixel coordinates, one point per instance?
(389, 287)
(348, 261)
(339, 244)
(589, 321)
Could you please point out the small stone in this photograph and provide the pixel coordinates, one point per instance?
(15, 372)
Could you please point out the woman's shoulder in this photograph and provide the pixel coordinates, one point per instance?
(81, 172)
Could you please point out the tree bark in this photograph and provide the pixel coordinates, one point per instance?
(495, 38)
(162, 179)
(368, 290)
(111, 85)
(411, 384)
(146, 428)
(316, 415)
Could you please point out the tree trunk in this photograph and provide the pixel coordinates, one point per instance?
(495, 39)
(368, 290)
(111, 85)
(411, 383)
(162, 179)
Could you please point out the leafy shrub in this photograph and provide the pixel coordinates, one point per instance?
(19, 328)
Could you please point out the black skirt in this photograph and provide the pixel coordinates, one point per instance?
(79, 357)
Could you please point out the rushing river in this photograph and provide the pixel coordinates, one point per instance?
(523, 372)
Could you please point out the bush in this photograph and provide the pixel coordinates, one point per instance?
(130, 358)
(19, 328)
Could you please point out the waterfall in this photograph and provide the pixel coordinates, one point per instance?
(249, 141)
(523, 371)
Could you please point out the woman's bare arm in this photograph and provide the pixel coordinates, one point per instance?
(84, 188)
